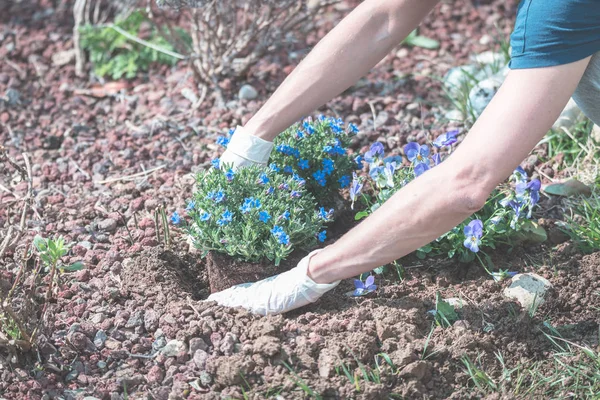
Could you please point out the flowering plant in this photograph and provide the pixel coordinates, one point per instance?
(505, 212)
(254, 213)
(317, 151)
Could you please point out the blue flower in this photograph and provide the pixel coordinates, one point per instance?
(308, 127)
(358, 160)
(231, 131)
(339, 150)
(532, 188)
(263, 179)
(325, 215)
(322, 236)
(270, 190)
(249, 204)
(299, 134)
(388, 173)
(175, 218)
(284, 186)
(337, 129)
(229, 175)
(396, 159)
(344, 181)
(223, 141)
(281, 236)
(520, 174)
(226, 218)
(285, 215)
(473, 233)
(437, 159)
(190, 206)
(353, 128)
(446, 139)
(273, 167)
(294, 194)
(327, 149)
(204, 216)
(215, 163)
(328, 166)
(320, 177)
(264, 216)
(288, 170)
(219, 196)
(303, 164)
(210, 195)
(288, 150)
(367, 287)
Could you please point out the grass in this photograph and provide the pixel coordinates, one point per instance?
(583, 225)
(575, 144)
(572, 371)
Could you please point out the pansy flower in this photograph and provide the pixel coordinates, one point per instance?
(473, 233)
(363, 288)
(446, 139)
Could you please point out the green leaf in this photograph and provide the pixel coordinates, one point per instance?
(40, 243)
(445, 313)
(531, 232)
(360, 215)
(570, 188)
(379, 270)
(76, 266)
(422, 41)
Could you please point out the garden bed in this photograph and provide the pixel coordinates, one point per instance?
(133, 323)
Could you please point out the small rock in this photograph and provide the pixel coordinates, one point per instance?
(63, 57)
(205, 378)
(173, 348)
(456, 77)
(151, 319)
(136, 319)
(528, 289)
(247, 92)
(189, 95)
(481, 95)
(455, 302)
(155, 375)
(100, 339)
(489, 57)
(200, 357)
(108, 225)
(596, 133)
(327, 363)
(197, 344)
(81, 342)
(454, 115)
(420, 370)
(12, 96)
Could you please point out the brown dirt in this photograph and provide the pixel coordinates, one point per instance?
(111, 321)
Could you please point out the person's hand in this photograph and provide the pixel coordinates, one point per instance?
(277, 294)
(245, 150)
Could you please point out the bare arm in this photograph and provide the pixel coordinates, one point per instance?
(348, 52)
(519, 115)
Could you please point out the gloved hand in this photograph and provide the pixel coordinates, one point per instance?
(277, 294)
(244, 150)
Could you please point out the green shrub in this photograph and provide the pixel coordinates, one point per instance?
(584, 225)
(318, 152)
(254, 213)
(115, 55)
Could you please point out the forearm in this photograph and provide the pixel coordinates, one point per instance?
(517, 118)
(347, 53)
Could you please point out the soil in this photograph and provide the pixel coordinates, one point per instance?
(133, 323)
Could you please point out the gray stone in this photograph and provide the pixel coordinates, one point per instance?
(481, 95)
(247, 92)
(100, 339)
(159, 343)
(151, 318)
(173, 348)
(596, 133)
(136, 319)
(456, 77)
(12, 96)
(569, 116)
(528, 289)
(63, 57)
(205, 378)
(197, 344)
(108, 225)
(200, 357)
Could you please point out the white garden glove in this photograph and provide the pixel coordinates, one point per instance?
(277, 294)
(244, 150)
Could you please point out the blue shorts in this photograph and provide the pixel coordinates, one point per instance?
(554, 32)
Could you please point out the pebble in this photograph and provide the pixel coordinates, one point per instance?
(528, 289)
(100, 339)
(173, 348)
(108, 225)
(247, 92)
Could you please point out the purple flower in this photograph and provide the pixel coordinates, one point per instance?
(367, 287)
(344, 181)
(299, 179)
(358, 160)
(284, 186)
(215, 163)
(421, 168)
(322, 236)
(175, 218)
(437, 159)
(532, 188)
(446, 139)
(355, 189)
(388, 173)
(520, 174)
(417, 154)
(374, 153)
(270, 190)
(229, 175)
(473, 233)
(503, 274)
(303, 164)
(294, 194)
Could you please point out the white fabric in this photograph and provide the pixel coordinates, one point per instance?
(244, 150)
(277, 294)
